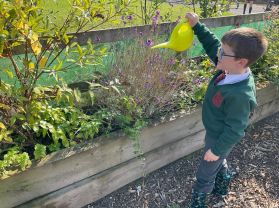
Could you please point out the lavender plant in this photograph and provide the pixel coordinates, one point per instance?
(158, 81)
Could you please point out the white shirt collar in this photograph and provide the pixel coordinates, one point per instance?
(234, 78)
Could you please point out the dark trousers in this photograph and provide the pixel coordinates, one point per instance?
(207, 171)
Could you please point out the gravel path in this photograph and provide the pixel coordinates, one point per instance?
(256, 159)
(256, 8)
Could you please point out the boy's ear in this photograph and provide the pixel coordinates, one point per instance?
(243, 62)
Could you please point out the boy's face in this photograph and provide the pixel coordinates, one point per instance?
(230, 62)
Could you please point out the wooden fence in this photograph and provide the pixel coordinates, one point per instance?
(118, 34)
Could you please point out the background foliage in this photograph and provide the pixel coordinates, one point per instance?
(267, 68)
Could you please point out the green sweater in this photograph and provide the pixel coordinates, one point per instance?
(226, 108)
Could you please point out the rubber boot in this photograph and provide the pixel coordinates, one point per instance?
(222, 183)
(199, 200)
(250, 10)
(244, 8)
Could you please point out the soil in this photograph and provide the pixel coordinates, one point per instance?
(256, 185)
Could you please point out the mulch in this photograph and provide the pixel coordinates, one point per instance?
(256, 185)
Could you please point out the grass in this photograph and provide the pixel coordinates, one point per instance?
(60, 9)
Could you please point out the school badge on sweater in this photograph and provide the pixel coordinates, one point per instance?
(217, 99)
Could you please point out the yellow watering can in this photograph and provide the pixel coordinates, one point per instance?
(181, 38)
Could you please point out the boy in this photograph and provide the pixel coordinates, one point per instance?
(229, 100)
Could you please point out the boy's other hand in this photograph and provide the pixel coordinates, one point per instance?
(193, 18)
(210, 157)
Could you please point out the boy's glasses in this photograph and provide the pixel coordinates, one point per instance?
(221, 53)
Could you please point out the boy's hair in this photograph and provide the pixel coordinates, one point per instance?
(246, 43)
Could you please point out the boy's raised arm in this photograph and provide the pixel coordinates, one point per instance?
(208, 40)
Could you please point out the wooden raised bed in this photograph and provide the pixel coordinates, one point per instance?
(77, 176)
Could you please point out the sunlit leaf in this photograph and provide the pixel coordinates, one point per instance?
(43, 61)
(5, 107)
(66, 38)
(31, 66)
(2, 126)
(79, 49)
(59, 66)
(116, 89)
(36, 47)
(77, 95)
(40, 151)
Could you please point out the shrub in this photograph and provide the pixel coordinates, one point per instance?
(158, 82)
(267, 67)
(37, 120)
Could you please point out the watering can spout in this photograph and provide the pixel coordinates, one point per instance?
(181, 38)
(162, 45)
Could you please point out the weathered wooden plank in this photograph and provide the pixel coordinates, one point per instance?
(265, 110)
(96, 187)
(234, 20)
(267, 94)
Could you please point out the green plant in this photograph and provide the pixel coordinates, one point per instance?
(145, 75)
(152, 12)
(40, 151)
(119, 111)
(157, 83)
(210, 8)
(267, 67)
(34, 119)
(149, 10)
(173, 205)
(13, 162)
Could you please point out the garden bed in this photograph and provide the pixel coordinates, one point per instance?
(77, 176)
(255, 159)
(37, 120)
